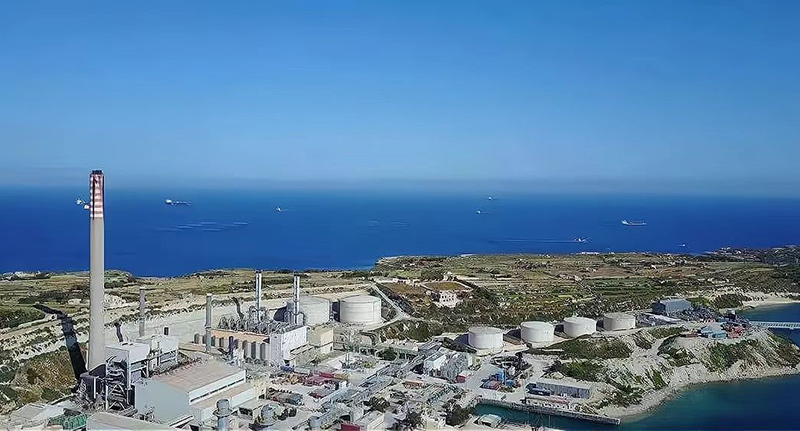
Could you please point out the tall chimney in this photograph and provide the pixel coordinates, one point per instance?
(96, 270)
(209, 298)
(141, 311)
(296, 299)
(258, 295)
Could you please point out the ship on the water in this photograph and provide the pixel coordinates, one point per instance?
(175, 203)
(634, 223)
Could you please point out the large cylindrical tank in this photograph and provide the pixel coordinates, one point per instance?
(536, 332)
(262, 352)
(246, 348)
(577, 326)
(317, 310)
(485, 337)
(361, 309)
(618, 321)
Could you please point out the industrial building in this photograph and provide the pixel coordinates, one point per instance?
(191, 390)
(560, 387)
(618, 321)
(360, 310)
(536, 332)
(668, 306)
(577, 326)
(486, 338)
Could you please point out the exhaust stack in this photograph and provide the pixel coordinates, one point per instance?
(209, 298)
(141, 311)
(296, 299)
(96, 270)
(258, 295)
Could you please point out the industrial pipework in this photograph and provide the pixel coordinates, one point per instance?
(209, 299)
(222, 413)
(258, 295)
(141, 311)
(296, 299)
(96, 270)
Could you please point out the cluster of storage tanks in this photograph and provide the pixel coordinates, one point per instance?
(358, 310)
(488, 338)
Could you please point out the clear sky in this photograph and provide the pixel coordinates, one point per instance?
(363, 91)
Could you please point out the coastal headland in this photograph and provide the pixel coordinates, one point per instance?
(629, 371)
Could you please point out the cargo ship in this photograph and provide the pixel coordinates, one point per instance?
(633, 223)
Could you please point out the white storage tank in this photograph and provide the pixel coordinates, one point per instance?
(577, 326)
(317, 310)
(360, 309)
(536, 332)
(618, 321)
(485, 338)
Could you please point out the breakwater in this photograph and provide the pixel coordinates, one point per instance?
(545, 410)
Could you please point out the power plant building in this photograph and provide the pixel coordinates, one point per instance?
(315, 310)
(192, 389)
(669, 306)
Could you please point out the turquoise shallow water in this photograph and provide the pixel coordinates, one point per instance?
(764, 404)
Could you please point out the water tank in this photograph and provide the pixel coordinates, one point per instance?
(262, 352)
(618, 321)
(361, 309)
(485, 338)
(536, 332)
(577, 326)
(246, 348)
(317, 310)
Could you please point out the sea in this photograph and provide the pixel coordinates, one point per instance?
(44, 229)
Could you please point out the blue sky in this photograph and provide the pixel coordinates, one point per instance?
(367, 91)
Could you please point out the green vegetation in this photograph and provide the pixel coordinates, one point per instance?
(588, 348)
(642, 340)
(13, 317)
(666, 331)
(582, 370)
(729, 300)
(788, 352)
(431, 274)
(657, 379)
(624, 396)
(723, 356)
(377, 403)
(387, 354)
(457, 415)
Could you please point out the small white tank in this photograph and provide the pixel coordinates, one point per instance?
(618, 321)
(536, 332)
(485, 338)
(577, 326)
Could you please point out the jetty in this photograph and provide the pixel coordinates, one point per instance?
(776, 325)
(546, 410)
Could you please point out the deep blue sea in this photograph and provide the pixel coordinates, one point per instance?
(44, 229)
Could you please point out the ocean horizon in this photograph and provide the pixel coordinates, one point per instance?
(44, 229)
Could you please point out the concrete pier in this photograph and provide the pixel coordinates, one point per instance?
(544, 410)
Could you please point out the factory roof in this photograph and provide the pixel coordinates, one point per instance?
(226, 394)
(111, 421)
(564, 383)
(196, 375)
(672, 300)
